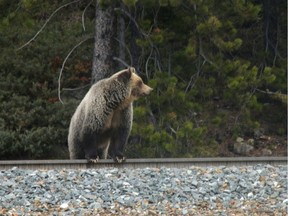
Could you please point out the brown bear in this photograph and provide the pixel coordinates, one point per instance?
(103, 120)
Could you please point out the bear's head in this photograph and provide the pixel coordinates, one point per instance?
(134, 84)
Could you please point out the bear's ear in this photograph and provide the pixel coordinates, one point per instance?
(132, 69)
(125, 75)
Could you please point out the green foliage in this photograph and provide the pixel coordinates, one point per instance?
(212, 25)
(215, 52)
(33, 129)
(130, 3)
(207, 61)
(33, 123)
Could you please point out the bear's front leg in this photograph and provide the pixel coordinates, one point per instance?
(117, 144)
(114, 152)
(92, 149)
(92, 155)
(122, 121)
(119, 158)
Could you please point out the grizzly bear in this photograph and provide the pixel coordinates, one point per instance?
(102, 122)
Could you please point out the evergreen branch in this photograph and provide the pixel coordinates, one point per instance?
(83, 14)
(46, 22)
(63, 64)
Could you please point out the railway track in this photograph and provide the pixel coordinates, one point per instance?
(142, 163)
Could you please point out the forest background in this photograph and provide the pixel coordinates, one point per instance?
(218, 69)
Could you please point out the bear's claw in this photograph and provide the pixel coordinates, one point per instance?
(119, 159)
(94, 160)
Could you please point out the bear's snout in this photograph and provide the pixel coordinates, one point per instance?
(146, 90)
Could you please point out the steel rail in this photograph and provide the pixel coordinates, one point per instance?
(142, 163)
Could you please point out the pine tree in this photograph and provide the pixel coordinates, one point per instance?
(218, 69)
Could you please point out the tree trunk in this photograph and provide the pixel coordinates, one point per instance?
(121, 39)
(271, 13)
(104, 46)
(134, 47)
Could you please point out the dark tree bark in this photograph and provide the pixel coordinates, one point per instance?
(135, 53)
(104, 46)
(271, 13)
(121, 39)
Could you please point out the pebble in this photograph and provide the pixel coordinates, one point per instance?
(148, 191)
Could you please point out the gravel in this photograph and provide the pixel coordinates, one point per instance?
(248, 190)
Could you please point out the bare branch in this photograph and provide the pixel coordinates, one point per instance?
(157, 58)
(201, 53)
(190, 82)
(154, 20)
(265, 92)
(124, 45)
(41, 29)
(75, 89)
(63, 64)
(121, 61)
(195, 76)
(83, 14)
(276, 95)
(133, 20)
(146, 64)
(244, 103)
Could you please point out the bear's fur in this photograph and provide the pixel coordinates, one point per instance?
(103, 119)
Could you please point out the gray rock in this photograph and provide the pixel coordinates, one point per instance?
(184, 211)
(194, 183)
(242, 148)
(266, 152)
(76, 192)
(95, 205)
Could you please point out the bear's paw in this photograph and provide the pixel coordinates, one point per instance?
(94, 160)
(119, 159)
